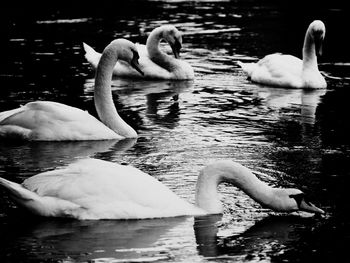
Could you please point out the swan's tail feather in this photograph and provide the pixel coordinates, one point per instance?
(17, 191)
(41, 205)
(91, 55)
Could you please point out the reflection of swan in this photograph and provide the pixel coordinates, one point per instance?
(272, 231)
(86, 241)
(289, 71)
(32, 157)
(96, 189)
(166, 94)
(51, 121)
(153, 62)
(280, 98)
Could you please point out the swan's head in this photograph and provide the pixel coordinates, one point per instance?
(174, 38)
(127, 51)
(317, 30)
(291, 199)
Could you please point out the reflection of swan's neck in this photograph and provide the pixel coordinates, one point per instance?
(103, 95)
(156, 55)
(207, 197)
(309, 52)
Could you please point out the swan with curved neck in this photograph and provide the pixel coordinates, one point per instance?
(153, 62)
(95, 189)
(52, 121)
(289, 71)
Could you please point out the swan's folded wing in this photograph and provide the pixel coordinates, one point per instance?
(46, 120)
(279, 64)
(108, 190)
(91, 55)
(142, 50)
(29, 115)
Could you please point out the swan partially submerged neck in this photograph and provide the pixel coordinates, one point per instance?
(103, 95)
(278, 199)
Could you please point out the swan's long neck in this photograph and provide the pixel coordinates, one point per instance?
(155, 54)
(309, 52)
(207, 197)
(103, 95)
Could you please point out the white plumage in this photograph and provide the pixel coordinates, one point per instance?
(96, 189)
(289, 71)
(52, 121)
(154, 63)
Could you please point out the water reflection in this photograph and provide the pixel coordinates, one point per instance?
(159, 100)
(283, 99)
(31, 157)
(149, 240)
(104, 240)
(264, 240)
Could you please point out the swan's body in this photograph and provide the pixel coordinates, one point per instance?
(96, 189)
(52, 121)
(154, 63)
(289, 71)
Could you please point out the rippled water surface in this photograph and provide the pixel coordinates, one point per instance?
(288, 137)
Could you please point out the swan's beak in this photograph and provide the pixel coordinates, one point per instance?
(309, 207)
(135, 64)
(176, 47)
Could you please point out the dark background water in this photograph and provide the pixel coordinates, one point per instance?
(290, 137)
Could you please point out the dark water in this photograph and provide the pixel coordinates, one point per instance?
(289, 137)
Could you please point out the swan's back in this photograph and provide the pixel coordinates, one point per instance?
(48, 121)
(109, 191)
(178, 69)
(275, 69)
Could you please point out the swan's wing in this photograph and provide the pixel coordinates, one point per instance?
(46, 120)
(278, 63)
(142, 50)
(91, 55)
(106, 189)
(44, 206)
(30, 114)
(278, 69)
(150, 69)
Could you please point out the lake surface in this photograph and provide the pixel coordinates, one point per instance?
(290, 137)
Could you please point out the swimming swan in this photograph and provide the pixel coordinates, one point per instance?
(95, 189)
(52, 121)
(289, 71)
(153, 62)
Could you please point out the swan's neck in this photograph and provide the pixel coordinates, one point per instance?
(207, 197)
(155, 54)
(309, 53)
(103, 95)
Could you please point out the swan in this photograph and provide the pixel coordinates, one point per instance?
(289, 71)
(153, 62)
(52, 121)
(95, 189)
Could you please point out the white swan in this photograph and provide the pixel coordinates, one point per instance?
(52, 121)
(96, 189)
(289, 71)
(153, 62)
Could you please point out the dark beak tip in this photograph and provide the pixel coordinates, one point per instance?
(136, 66)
